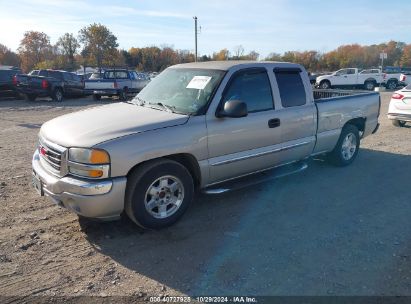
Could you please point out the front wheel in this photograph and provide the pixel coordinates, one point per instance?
(325, 85)
(398, 123)
(347, 146)
(158, 193)
(369, 85)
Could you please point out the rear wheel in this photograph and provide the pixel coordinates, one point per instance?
(369, 85)
(31, 97)
(398, 123)
(57, 95)
(123, 94)
(347, 146)
(96, 97)
(158, 193)
(391, 85)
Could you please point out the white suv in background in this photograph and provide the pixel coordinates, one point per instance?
(399, 110)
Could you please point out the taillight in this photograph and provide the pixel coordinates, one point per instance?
(403, 77)
(15, 80)
(44, 84)
(385, 76)
(115, 85)
(397, 96)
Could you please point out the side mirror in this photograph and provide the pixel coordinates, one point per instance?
(234, 109)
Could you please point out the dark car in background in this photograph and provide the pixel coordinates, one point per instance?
(7, 88)
(50, 83)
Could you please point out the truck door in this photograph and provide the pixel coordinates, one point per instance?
(298, 114)
(243, 145)
(340, 78)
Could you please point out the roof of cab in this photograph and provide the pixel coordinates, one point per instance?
(228, 64)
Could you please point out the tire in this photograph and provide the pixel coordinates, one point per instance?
(57, 95)
(391, 85)
(96, 97)
(123, 94)
(325, 84)
(398, 123)
(346, 149)
(369, 85)
(147, 178)
(31, 97)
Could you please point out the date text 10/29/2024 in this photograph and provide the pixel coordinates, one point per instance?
(203, 299)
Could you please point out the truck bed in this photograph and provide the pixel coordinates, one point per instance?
(324, 95)
(336, 107)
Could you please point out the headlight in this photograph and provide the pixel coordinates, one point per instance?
(91, 163)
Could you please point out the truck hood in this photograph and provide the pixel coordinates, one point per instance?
(93, 126)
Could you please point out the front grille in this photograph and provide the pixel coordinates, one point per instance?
(51, 156)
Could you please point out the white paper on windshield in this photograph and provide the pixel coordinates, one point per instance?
(198, 82)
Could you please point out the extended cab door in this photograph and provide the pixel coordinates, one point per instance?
(243, 145)
(297, 112)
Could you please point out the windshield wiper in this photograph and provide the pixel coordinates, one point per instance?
(165, 106)
(141, 102)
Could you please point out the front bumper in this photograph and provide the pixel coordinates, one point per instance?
(102, 199)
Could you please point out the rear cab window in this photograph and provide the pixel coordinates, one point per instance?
(291, 87)
(56, 75)
(116, 75)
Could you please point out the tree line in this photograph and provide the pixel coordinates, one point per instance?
(95, 45)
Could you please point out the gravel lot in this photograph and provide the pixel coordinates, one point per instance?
(326, 231)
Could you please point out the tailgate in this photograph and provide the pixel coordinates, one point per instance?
(99, 85)
(27, 81)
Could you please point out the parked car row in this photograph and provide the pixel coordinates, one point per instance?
(59, 84)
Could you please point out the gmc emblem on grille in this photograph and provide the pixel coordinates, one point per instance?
(43, 151)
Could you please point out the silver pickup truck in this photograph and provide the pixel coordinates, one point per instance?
(212, 127)
(121, 83)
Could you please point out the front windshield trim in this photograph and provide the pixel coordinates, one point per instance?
(147, 100)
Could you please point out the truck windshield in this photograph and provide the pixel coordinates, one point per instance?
(184, 90)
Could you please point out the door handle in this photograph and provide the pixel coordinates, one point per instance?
(273, 123)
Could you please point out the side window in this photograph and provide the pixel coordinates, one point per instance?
(253, 87)
(291, 88)
(42, 73)
(66, 76)
(56, 74)
(121, 75)
(350, 71)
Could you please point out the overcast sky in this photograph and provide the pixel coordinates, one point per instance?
(264, 26)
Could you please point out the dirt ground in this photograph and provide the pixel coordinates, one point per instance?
(326, 231)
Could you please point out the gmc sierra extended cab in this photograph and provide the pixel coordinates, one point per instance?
(209, 126)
